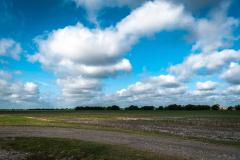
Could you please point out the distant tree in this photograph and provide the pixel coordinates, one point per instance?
(173, 107)
(78, 108)
(237, 107)
(114, 107)
(215, 107)
(230, 108)
(196, 107)
(205, 107)
(147, 108)
(189, 107)
(132, 107)
(89, 108)
(160, 108)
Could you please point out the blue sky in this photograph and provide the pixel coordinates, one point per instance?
(62, 53)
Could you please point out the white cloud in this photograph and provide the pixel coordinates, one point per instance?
(232, 74)
(215, 32)
(81, 57)
(211, 35)
(167, 81)
(206, 86)
(205, 64)
(153, 17)
(9, 47)
(79, 90)
(203, 94)
(151, 91)
(31, 87)
(14, 93)
(82, 53)
(233, 89)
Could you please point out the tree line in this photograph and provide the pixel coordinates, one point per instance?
(189, 107)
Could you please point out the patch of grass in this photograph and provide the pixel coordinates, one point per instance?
(56, 148)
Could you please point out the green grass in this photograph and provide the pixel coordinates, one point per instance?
(56, 148)
(209, 119)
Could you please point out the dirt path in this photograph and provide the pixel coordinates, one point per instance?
(179, 148)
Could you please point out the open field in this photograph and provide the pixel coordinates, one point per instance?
(216, 132)
(214, 126)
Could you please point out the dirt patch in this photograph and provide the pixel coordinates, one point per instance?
(41, 119)
(133, 119)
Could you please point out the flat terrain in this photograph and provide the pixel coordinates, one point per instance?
(180, 148)
(69, 149)
(184, 134)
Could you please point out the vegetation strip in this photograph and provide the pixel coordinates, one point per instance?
(62, 149)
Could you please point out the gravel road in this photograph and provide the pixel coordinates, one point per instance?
(180, 148)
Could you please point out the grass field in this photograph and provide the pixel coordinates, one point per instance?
(56, 148)
(208, 126)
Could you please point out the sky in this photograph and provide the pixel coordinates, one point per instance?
(67, 53)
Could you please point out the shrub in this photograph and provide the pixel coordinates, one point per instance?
(215, 107)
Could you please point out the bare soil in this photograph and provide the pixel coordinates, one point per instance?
(197, 128)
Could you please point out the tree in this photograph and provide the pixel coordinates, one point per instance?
(191, 107)
(160, 108)
(215, 107)
(132, 107)
(174, 107)
(147, 108)
(237, 107)
(89, 108)
(114, 107)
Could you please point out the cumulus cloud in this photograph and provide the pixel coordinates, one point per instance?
(79, 53)
(233, 90)
(232, 74)
(77, 89)
(151, 91)
(17, 93)
(81, 57)
(215, 32)
(211, 35)
(205, 64)
(206, 86)
(157, 15)
(9, 47)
